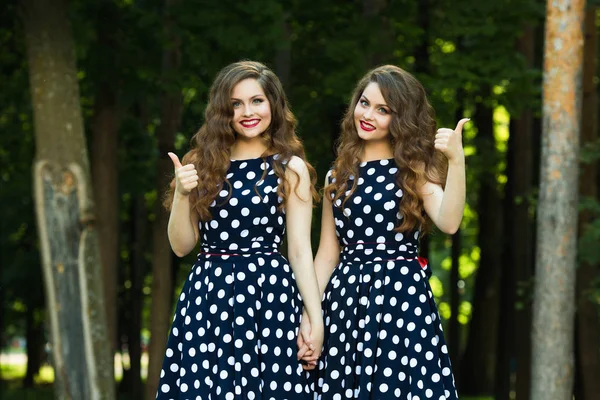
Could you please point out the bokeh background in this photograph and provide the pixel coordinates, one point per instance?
(144, 68)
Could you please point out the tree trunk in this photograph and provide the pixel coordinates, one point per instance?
(162, 277)
(554, 294)
(35, 345)
(479, 359)
(421, 53)
(506, 318)
(283, 56)
(105, 127)
(514, 346)
(65, 209)
(380, 27)
(588, 327)
(132, 378)
(454, 330)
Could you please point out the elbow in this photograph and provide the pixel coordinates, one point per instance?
(180, 253)
(450, 230)
(181, 249)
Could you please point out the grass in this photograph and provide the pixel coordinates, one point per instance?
(12, 374)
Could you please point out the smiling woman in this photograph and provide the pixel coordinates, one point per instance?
(251, 110)
(244, 183)
(393, 170)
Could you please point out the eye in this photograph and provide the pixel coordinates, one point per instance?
(364, 103)
(236, 104)
(257, 101)
(383, 110)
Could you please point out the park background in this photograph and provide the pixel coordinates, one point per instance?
(143, 69)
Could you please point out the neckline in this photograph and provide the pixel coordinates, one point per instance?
(251, 159)
(365, 163)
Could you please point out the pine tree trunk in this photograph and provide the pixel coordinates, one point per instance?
(454, 331)
(283, 56)
(35, 347)
(162, 275)
(104, 155)
(479, 360)
(554, 294)
(65, 209)
(514, 346)
(134, 298)
(373, 12)
(454, 327)
(588, 326)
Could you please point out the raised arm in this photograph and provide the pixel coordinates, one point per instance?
(298, 221)
(445, 207)
(183, 223)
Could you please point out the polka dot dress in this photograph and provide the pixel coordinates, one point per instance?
(383, 337)
(234, 330)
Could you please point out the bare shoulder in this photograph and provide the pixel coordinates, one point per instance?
(298, 165)
(328, 176)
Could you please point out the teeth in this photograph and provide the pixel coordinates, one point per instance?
(368, 126)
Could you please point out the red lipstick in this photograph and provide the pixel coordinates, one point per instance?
(250, 123)
(365, 126)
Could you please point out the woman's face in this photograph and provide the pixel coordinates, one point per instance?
(372, 116)
(251, 109)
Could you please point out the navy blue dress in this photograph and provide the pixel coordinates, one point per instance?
(383, 337)
(234, 330)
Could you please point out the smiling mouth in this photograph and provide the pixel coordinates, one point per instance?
(250, 123)
(365, 126)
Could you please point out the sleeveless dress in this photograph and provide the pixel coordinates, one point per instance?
(383, 336)
(235, 325)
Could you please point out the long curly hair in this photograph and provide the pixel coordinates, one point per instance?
(412, 135)
(211, 145)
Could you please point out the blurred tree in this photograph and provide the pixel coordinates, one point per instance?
(517, 260)
(65, 209)
(104, 126)
(554, 295)
(162, 266)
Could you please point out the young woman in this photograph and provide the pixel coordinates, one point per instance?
(393, 172)
(244, 182)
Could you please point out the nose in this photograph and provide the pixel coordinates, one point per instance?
(368, 113)
(248, 110)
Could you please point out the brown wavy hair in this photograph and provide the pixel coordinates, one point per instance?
(412, 135)
(211, 145)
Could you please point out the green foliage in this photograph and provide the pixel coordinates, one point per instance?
(471, 60)
(18, 248)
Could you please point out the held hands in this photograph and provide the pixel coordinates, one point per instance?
(310, 342)
(449, 141)
(186, 176)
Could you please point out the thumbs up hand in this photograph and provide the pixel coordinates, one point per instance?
(186, 176)
(449, 141)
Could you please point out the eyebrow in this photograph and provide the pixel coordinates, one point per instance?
(251, 98)
(362, 96)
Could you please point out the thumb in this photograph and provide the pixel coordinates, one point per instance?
(461, 123)
(175, 160)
